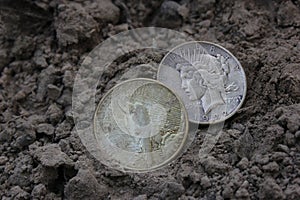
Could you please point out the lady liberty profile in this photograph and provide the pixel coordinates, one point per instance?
(140, 117)
(204, 80)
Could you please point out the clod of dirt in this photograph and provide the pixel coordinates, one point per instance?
(168, 15)
(27, 138)
(54, 113)
(243, 164)
(39, 191)
(4, 58)
(45, 128)
(288, 14)
(271, 167)
(244, 146)
(46, 77)
(289, 117)
(290, 80)
(212, 165)
(17, 193)
(141, 197)
(63, 130)
(172, 190)
(242, 193)
(52, 156)
(20, 175)
(270, 190)
(292, 192)
(53, 91)
(23, 47)
(73, 25)
(84, 186)
(103, 11)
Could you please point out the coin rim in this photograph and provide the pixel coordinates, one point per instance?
(186, 131)
(230, 54)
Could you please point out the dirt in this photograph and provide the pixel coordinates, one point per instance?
(42, 44)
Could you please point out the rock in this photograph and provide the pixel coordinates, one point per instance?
(52, 156)
(243, 164)
(45, 128)
(292, 192)
(244, 146)
(269, 189)
(84, 186)
(39, 191)
(242, 193)
(205, 182)
(271, 167)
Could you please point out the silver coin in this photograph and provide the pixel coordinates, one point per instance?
(140, 125)
(209, 79)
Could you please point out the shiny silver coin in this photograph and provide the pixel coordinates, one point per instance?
(140, 125)
(208, 78)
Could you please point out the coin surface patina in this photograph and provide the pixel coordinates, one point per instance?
(140, 125)
(208, 78)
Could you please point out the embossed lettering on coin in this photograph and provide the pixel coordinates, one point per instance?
(209, 79)
(140, 125)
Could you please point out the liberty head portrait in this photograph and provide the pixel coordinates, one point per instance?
(139, 117)
(204, 80)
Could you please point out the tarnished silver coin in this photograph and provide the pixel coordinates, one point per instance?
(208, 78)
(140, 125)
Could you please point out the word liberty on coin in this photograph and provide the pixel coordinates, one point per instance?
(140, 125)
(208, 78)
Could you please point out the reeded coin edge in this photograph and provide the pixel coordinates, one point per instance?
(186, 132)
(242, 70)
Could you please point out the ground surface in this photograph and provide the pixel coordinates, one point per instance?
(41, 45)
